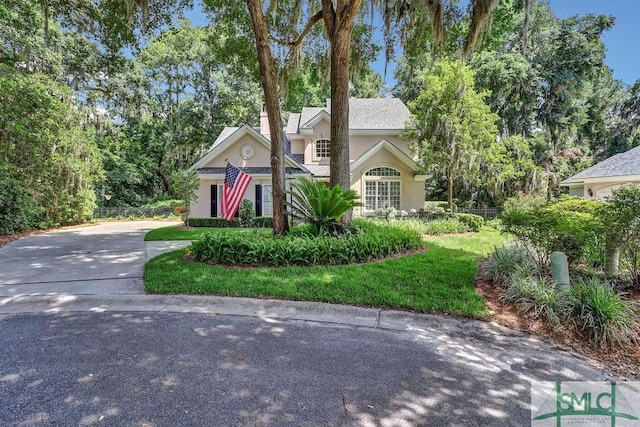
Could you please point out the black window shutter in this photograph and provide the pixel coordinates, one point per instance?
(214, 200)
(258, 200)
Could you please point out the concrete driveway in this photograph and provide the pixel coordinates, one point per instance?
(106, 258)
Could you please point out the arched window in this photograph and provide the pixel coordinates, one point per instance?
(323, 148)
(382, 189)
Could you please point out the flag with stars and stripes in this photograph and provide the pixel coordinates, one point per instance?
(235, 185)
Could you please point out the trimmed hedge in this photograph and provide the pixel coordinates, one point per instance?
(263, 222)
(370, 242)
(216, 222)
(213, 222)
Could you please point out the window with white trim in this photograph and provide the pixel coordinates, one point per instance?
(382, 188)
(323, 148)
(267, 200)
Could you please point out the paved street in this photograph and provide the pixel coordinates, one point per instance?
(174, 369)
(75, 352)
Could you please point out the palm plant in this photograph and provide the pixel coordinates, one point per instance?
(320, 206)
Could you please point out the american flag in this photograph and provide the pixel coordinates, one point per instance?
(235, 185)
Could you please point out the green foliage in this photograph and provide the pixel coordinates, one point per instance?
(46, 148)
(263, 222)
(246, 213)
(18, 210)
(621, 214)
(185, 185)
(215, 222)
(438, 208)
(474, 222)
(569, 225)
(532, 294)
(451, 122)
(370, 242)
(445, 226)
(167, 203)
(507, 260)
(322, 207)
(602, 314)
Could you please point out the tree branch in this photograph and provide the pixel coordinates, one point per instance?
(314, 19)
(329, 15)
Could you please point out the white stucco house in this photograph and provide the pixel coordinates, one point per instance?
(598, 181)
(383, 170)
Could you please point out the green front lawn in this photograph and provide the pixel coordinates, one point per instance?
(439, 280)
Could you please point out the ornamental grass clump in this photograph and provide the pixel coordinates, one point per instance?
(507, 260)
(532, 294)
(601, 313)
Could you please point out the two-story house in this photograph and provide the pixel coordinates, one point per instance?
(383, 170)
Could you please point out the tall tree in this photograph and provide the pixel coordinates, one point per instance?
(268, 76)
(451, 123)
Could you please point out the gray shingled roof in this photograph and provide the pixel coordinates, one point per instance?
(250, 171)
(226, 133)
(309, 113)
(293, 123)
(627, 163)
(364, 113)
(318, 170)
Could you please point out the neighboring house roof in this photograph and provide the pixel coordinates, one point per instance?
(231, 135)
(622, 164)
(364, 114)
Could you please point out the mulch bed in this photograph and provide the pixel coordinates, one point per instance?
(622, 363)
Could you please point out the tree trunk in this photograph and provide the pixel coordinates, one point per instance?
(270, 87)
(525, 28)
(612, 261)
(339, 25)
(450, 190)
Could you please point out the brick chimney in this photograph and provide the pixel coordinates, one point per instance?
(264, 120)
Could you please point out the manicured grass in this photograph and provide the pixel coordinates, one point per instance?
(439, 280)
(180, 232)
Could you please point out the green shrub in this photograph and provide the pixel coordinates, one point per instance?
(602, 314)
(570, 225)
(532, 294)
(445, 226)
(216, 222)
(622, 216)
(436, 208)
(322, 207)
(370, 242)
(263, 222)
(474, 222)
(246, 213)
(18, 210)
(505, 261)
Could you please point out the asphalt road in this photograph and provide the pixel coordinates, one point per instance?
(172, 369)
(80, 344)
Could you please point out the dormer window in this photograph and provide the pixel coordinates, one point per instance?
(323, 148)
